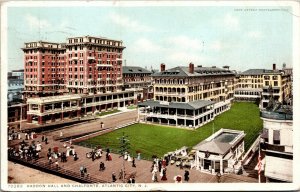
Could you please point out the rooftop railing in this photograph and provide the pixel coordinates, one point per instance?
(276, 115)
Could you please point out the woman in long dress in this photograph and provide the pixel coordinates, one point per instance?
(129, 158)
(164, 172)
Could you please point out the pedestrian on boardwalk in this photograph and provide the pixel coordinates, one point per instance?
(109, 157)
(113, 176)
(81, 171)
(106, 157)
(186, 176)
(50, 160)
(163, 163)
(56, 164)
(75, 156)
(101, 166)
(154, 176)
(46, 140)
(133, 162)
(121, 174)
(159, 165)
(43, 138)
(164, 173)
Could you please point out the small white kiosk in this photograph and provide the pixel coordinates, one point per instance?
(220, 152)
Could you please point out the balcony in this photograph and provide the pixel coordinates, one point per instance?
(104, 65)
(91, 57)
(276, 115)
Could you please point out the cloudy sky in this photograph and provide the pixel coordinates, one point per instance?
(177, 35)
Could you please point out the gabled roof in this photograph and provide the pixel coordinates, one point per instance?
(134, 70)
(182, 71)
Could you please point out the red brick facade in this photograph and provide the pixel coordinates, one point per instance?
(82, 65)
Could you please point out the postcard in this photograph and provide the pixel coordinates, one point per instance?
(149, 95)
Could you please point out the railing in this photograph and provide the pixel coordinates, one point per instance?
(276, 116)
(60, 171)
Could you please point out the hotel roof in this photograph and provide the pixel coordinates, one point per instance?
(134, 70)
(260, 72)
(178, 105)
(182, 71)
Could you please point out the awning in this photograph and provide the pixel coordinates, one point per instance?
(279, 168)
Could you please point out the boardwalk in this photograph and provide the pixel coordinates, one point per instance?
(142, 169)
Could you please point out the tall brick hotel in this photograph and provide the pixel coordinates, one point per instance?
(79, 77)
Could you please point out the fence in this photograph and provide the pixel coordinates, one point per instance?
(60, 171)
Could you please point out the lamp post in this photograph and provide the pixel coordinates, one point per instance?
(124, 146)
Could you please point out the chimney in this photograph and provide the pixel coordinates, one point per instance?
(283, 66)
(226, 67)
(162, 67)
(191, 68)
(274, 66)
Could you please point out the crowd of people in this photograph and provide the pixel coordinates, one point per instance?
(159, 166)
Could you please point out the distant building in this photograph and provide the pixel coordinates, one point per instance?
(189, 96)
(15, 81)
(260, 84)
(220, 152)
(139, 79)
(277, 143)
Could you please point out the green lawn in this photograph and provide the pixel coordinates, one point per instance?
(132, 107)
(109, 112)
(157, 140)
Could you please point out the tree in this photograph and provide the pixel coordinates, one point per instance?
(124, 147)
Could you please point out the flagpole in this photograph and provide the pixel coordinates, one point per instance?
(259, 160)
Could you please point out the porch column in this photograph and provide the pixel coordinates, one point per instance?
(62, 111)
(42, 108)
(85, 106)
(221, 166)
(40, 120)
(197, 160)
(194, 125)
(29, 118)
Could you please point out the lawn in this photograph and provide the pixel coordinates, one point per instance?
(108, 112)
(132, 107)
(158, 140)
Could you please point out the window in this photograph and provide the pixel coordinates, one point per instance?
(276, 83)
(267, 83)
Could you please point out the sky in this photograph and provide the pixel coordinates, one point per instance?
(174, 35)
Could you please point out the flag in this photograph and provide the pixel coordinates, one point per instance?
(259, 163)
